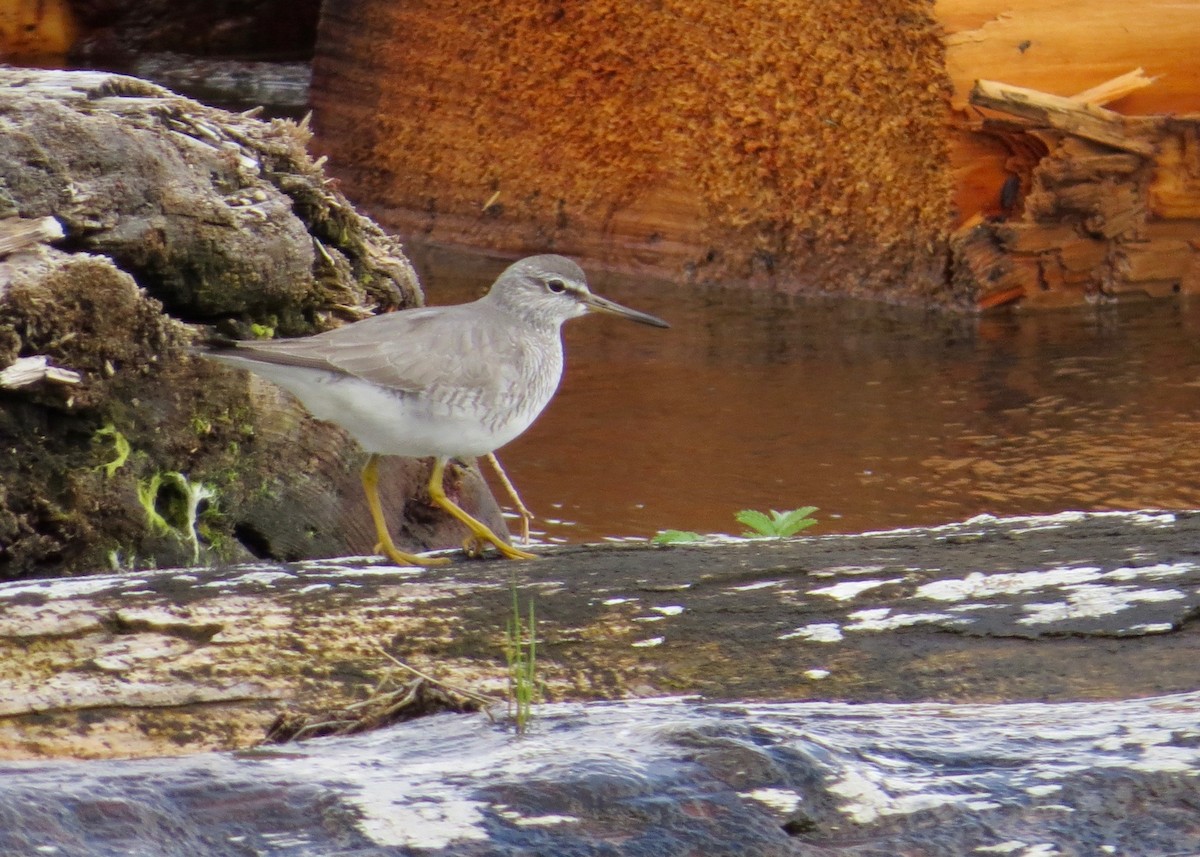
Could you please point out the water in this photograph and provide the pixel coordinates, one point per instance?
(882, 417)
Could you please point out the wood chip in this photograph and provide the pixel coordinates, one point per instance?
(29, 370)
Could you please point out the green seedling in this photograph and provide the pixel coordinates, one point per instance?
(520, 651)
(776, 525)
(779, 525)
(675, 537)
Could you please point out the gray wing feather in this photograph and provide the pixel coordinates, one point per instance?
(413, 351)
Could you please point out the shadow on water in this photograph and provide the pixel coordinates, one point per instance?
(880, 416)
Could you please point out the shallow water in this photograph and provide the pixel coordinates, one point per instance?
(881, 417)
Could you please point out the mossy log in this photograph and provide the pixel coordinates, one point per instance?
(166, 212)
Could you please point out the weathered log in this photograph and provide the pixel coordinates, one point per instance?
(1050, 48)
(1089, 218)
(1120, 208)
(766, 144)
(716, 152)
(983, 611)
(653, 777)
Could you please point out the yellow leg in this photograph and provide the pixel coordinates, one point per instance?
(370, 481)
(479, 531)
(524, 513)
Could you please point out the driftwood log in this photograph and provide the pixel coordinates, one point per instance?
(1069, 607)
(792, 144)
(811, 147)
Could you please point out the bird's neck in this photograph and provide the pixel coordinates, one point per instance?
(534, 315)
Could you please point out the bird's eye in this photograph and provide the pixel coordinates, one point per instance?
(556, 286)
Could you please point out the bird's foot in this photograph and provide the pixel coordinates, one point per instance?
(511, 552)
(401, 558)
(480, 536)
(474, 545)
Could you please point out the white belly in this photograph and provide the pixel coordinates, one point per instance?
(391, 423)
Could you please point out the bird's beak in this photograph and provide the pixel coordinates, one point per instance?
(599, 304)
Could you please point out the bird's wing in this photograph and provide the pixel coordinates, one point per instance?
(412, 351)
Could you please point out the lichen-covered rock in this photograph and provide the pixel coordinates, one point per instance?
(987, 610)
(646, 778)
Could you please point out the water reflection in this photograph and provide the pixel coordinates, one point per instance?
(880, 416)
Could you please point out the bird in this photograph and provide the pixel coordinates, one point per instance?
(441, 382)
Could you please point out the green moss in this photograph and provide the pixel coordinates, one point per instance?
(121, 449)
(172, 505)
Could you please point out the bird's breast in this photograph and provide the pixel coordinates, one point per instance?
(496, 393)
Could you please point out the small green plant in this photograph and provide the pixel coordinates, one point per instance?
(184, 517)
(262, 331)
(121, 449)
(201, 426)
(778, 525)
(675, 537)
(520, 651)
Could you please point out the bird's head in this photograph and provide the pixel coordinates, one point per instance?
(552, 289)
